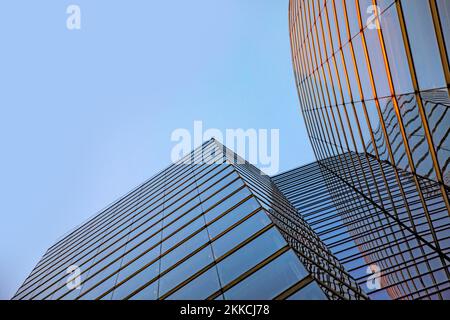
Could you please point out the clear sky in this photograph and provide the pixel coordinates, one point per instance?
(87, 115)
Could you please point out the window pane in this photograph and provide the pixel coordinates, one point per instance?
(423, 44)
(200, 288)
(444, 13)
(184, 249)
(226, 204)
(185, 270)
(137, 281)
(395, 49)
(250, 255)
(311, 292)
(232, 217)
(241, 232)
(149, 293)
(271, 280)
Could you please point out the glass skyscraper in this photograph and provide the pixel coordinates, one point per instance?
(211, 226)
(370, 243)
(369, 220)
(373, 80)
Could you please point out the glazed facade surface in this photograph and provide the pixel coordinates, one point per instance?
(373, 80)
(204, 228)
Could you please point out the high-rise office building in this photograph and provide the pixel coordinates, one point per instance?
(373, 80)
(382, 254)
(369, 219)
(211, 226)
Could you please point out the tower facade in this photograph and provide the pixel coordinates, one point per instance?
(373, 80)
(211, 226)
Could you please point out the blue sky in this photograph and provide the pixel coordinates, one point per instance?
(87, 115)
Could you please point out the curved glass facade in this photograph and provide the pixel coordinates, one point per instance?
(373, 80)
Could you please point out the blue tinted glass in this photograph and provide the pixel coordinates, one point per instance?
(141, 248)
(138, 263)
(181, 221)
(183, 233)
(233, 216)
(311, 292)
(136, 281)
(175, 212)
(271, 280)
(200, 288)
(148, 293)
(222, 194)
(94, 279)
(425, 50)
(100, 289)
(73, 294)
(185, 270)
(219, 182)
(208, 177)
(239, 233)
(226, 204)
(101, 262)
(181, 193)
(203, 177)
(184, 249)
(250, 255)
(144, 229)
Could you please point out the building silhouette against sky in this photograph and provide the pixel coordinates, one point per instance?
(374, 89)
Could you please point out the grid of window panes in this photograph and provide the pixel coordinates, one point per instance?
(373, 79)
(315, 255)
(360, 236)
(193, 231)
